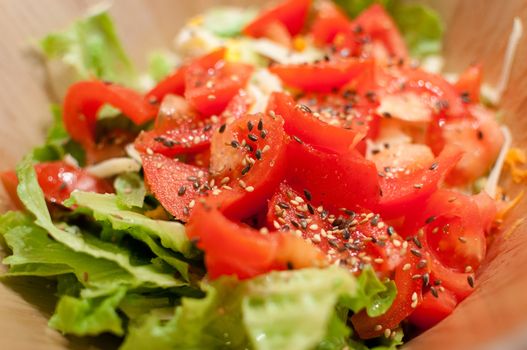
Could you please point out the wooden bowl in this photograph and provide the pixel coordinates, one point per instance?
(493, 317)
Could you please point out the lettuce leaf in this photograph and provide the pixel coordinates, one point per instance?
(420, 25)
(31, 195)
(89, 48)
(161, 64)
(130, 189)
(89, 316)
(227, 21)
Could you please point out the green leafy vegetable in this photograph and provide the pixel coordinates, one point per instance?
(31, 195)
(420, 26)
(130, 189)
(89, 48)
(89, 316)
(161, 64)
(227, 21)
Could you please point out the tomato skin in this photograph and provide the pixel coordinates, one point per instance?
(231, 249)
(403, 306)
(404, 193)
(57, 180)
(468, 84)
(10, 183)
(85, 98)
(335, 181)
(175, 82)
(322, 76)
(291, 13)
(249, 186)
(174, 184)
(209, 90)
(303, 124)
(329, 22)
(433, 309)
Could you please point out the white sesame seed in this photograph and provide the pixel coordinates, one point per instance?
(396, 243)
(249, 188)
(292, 201)
(313, 227)
(387, 333)
(468, 269)
(414, 296)
(276, 224)
(405, 244)
(316, 238)
(264, 230)
(149, 151)
(377, 328)
(407, 267)
(378, 261)
(299, 199)
(266, 148)
(192, 204)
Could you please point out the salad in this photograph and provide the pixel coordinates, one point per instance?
(296, 177)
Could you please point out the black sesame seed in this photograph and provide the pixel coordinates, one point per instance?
(222, 128)
(235, 144)
(307, 194)
(390, 230)
(192, 178)
(430, 220)
(258, 154)
(426, 279)
(310, 209)
(434, 166)
(250, 125)
(417, 242)
(246, 169)
(263, 134)
(283, 205)
(470, 281)
(346, 234)
(480, 135)
(421, 264)
(252, 137)
(260, 124)
(416, 252)
(433, 291)
(297, 139)
(182, 190)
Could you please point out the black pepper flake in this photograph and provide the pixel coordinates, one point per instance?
(470, 281)
(252, 137)
(480, 135)
(430, 220)
(222, 128)
(181, 191)
(416, 252)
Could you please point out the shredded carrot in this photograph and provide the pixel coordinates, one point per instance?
(507, 234)
(514, 159)
(299, 43)
(502, 213)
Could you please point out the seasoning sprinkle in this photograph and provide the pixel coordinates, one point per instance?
(235, 144)
(258, 154)
(426, 279)
(434, 293)
(252, 137)
(390, 230)
(470, 281)
(434, 166)
(416, 252)
(263, 134)
(430, 220)
(181, 191)
(307, 194)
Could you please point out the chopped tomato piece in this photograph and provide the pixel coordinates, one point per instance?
(468, 84)
(178, 130)
(232, 249)
(408, 298)
(84, 99)
(278, 32)
(291, 13)
(175, 83)
(335, 181)
(210, 89)
(10, 183)
(248, 162)
(329, 21)
(321, 76)
(57, 180)
(175, 185)
(433, 309)
(403, 192)
(351, 237)
(301, 122)
(372, 33)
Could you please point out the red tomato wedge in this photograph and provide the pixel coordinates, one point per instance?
(10, 183)
(291, 13)
(178, 130)
(335, 181)
(372, 34)
(210, 89)
(329, 21)
(351, 238)
(403, 192)
(453, 227)
(175, 82)
(433, 309)
(301, 122)
(84, 99)
(468, 84)
(248, 162)
(57, 180)
(175, 185)
(408, 298)
(231, 249)
(321, 76)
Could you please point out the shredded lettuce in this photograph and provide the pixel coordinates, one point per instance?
(89, 48)
(420, 25)
(130, 189)
(227, 21)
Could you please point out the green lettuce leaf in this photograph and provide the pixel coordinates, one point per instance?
(161, 64)
(279, 310)
(420, 25)
(130, 189)
(227, 21)
(89, 316)
(31, 195)
(89, 48)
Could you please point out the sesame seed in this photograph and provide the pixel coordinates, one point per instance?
(434, 293)
(377, 328)
(250, 125)
(181, 191)
(416, 276)
(263, 134)
(430, 219)
(260, 123)
(426, 279)
(211, 97)
(192, 204)
(276, 224)
(470, 281)
(462, 239)
(407, 267)
(396, 243)
(378, 260)
(225, 180)
(313, 227)
(418, 186)
(417, 242)
(468, 269)
(422, 264)
(297, 139)
(258, 154)
(416, 252)
(307, 194)
(235, 144)
(414, 296)
(264, 230)
(390, 230)
(252, 137)
(387, 333)
(266, 148)
(434, 166)
(249, 188)
(316, 238)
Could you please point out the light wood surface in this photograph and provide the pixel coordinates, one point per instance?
(494, 317)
